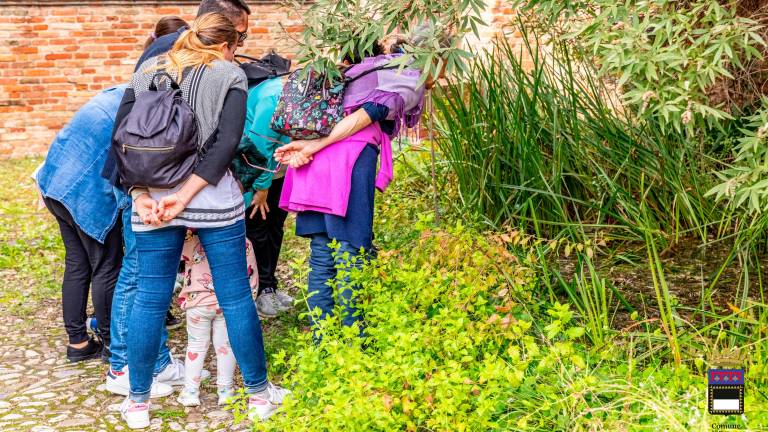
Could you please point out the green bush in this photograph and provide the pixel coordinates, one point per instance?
(447, 345)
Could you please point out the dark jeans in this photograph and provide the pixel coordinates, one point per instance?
(87, 263)
(267, 236)
(324, 287)
(158, 253)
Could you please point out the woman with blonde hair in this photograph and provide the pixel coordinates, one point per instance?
(209, 201)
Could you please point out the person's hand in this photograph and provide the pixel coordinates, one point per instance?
(299, 159)
(260, 204)
(298, 153)
(146, 207)
(285, 153)
(170, 206)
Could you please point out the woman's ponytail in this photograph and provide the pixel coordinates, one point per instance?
(199, 45)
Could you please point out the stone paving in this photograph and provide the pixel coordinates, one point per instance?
(40, 391)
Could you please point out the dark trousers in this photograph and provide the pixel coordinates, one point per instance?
(267, 236)
(87, 263)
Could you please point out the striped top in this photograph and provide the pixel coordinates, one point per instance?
(206, 89)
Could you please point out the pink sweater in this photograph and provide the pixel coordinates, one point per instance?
(323, 185)
(197, 289)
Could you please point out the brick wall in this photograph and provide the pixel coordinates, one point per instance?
(54, 56)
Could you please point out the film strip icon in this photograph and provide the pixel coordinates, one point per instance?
(725, 391)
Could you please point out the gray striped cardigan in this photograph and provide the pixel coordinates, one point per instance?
(216, 205)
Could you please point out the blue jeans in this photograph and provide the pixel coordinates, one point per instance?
(322, 280)
(159, 251)
(122, 303)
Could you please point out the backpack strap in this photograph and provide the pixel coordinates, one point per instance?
(348, 80)
(153, 87)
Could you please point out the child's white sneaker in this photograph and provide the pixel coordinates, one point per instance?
(226, 395)
(135, 414)
(263, 404)
(119, 383)
(189, 397)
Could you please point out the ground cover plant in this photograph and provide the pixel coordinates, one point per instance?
(464, 336)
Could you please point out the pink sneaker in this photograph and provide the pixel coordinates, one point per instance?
(263, 404)
(136, 414)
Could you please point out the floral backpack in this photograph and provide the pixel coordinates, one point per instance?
(311, 104)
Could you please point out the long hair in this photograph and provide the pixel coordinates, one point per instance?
(199, 45)
(166, 25)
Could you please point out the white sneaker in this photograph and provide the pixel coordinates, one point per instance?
(119, 383)
(189, 397)
(173, 374)
(136, 414)
(263, 404)
(266, 305)
(285, 300)
(226, 395)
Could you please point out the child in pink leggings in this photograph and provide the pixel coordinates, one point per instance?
(203, 318)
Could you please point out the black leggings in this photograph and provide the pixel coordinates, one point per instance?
(87, 263)
(267, 236)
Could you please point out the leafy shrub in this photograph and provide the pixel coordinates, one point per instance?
(447, 344)
(744, 183)
(670, 57)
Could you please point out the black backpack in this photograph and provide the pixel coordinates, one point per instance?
(260, 70)
(157, 142)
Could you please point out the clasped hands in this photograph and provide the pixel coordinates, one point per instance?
(152, 212)
(298, 153)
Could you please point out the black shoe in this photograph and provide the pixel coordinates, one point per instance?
(171, 322)
(91, 351)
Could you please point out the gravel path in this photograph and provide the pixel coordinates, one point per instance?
(40, 391)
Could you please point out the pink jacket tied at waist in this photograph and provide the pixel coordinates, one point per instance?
(324, 184)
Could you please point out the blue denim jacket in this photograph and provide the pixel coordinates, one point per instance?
(71, 173)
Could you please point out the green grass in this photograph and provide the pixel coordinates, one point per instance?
(31, 251)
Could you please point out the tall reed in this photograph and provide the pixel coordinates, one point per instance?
(534, 131)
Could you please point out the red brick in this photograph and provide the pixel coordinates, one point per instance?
(119, 47)
(24, 50)
(168, 11)
(58, 56)
(127, 26)
(39, 72)
(56, 11)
